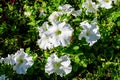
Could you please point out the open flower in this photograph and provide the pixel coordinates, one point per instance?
(90, 6)
(54, 16)
(90, 32)
(3, 77)
(67, 9)
(27, 13)
(46, 42)
(10, 59)
(61, 65)
(23, 62)
(105, 3)
(43, 29)
(76, 13)
(61, 33)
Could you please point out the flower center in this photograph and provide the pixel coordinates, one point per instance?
(20, 60)
(90, 5)
(87, 33)
(107, 0)
(58, 32)
(57, 64)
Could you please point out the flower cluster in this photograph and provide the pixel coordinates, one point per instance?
(59, 33)
(61, 66)
(20, 61)
(92, 7)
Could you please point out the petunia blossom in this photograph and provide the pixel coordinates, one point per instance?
(58, 34)
(22, 62)
(54, 16)
(69, 10)
(3, 77)
(10, 59)
(46, 42)
(61, 32)
(105, 3)
(61, 66)
(90, 32)
(91, 6)
(43, 29)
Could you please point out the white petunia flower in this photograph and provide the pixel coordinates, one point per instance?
(61, 33)
(10, 59)
(3, 77)
(90, 32)
(105, 3)
(90, 6)
(54, 16)
(67, 9)
(61, 66)
(1, 60)
(76, 13)
(23, 62)
(27, 13)
(46, 42)
(43, 29)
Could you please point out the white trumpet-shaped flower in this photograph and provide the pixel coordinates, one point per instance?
(76, 13)
(90, 32)
(3, 77)
(67, 9)
(43, 29)
(105, 3)
(27, 13)
(22, 62)
(61, 33)
(46, 42)
(54, 16)
(10, 59)
(90, 6)
(61, 66)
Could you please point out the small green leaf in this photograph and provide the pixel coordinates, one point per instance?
(75, 48)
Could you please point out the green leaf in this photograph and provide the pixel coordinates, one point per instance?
(75, 48)
(27, 50)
